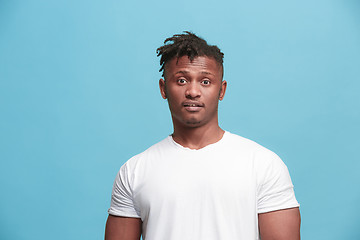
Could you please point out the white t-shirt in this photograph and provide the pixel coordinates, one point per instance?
(215, 192)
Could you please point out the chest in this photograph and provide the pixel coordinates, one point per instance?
(195, 181)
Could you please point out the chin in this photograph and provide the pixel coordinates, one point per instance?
(193, 123)
(190, 122)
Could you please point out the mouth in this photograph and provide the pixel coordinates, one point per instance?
(193, 106)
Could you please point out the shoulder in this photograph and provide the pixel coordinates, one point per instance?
(243, 143)
(234, 139)
(267, 165)
(259, 154)
(151, 153)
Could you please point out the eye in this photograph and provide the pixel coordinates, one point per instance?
(181, 81)
(205, 82)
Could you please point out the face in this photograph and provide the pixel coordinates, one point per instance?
(193, 89)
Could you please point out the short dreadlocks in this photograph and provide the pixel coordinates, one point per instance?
(187, 44)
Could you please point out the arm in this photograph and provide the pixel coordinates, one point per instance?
(280, 225)
(122, 228)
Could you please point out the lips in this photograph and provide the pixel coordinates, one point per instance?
(193, 106)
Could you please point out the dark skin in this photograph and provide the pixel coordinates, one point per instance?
(199, 83)
(193, 90)
(123, 228)
(280, 225)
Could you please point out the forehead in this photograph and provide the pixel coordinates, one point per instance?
(198, 64)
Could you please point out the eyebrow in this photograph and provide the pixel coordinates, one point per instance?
(182, 72)
(186, 72)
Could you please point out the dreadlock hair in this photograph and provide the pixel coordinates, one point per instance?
(187, 44)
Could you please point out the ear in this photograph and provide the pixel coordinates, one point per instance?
(162, 86)
(222, 90)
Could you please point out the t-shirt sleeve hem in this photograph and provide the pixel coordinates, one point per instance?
(276, 208)
(122, 214)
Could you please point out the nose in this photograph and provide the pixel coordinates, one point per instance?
(193, 90)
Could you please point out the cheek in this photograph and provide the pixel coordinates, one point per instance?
(212, 95)
(173, 99)
(174, 94)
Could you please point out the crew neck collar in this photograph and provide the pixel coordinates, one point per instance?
(209, 146)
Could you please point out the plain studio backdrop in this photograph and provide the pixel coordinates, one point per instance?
(79, 96)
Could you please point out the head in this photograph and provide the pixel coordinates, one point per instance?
(190, 45)
(192, 84)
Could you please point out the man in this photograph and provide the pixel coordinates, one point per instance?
(201, 182)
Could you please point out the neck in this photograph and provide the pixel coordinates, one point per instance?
(197, 137)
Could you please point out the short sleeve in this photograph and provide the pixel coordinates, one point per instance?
(275, 189)
(121, 198)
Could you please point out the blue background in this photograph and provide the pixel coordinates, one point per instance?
(79, 96)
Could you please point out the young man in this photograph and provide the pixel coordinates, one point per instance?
(201, 182)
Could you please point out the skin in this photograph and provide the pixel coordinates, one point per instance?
(193, 90)
(122, 228)
(194, 82)
(280, 225)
